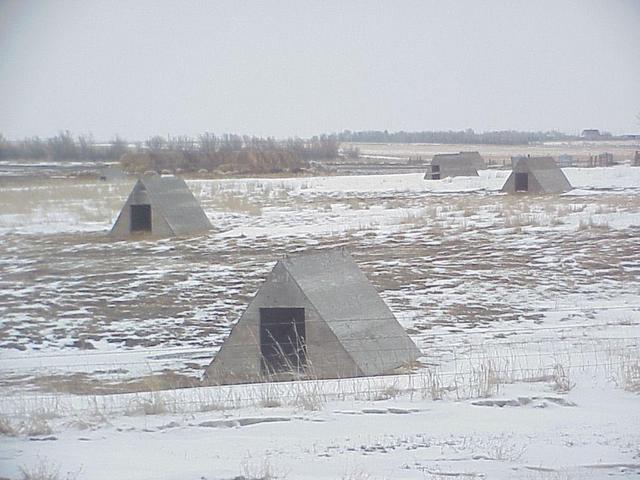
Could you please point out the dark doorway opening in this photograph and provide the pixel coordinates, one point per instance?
(522, 182)
(140, 218)
(282, 340)
(435, 172)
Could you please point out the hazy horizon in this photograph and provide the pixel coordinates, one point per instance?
(303, 68)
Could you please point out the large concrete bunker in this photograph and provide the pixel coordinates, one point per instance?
(536, 175)
(160, 206)
(463, 164)
(315, 316)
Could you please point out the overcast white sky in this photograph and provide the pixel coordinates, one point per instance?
(281, 68)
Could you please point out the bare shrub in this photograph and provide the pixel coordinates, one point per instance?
(155, 405)
(259, 470)
(269, 397)
(561, 379)
(432, 384)
(45, 470)
(6, 428)
(310, 398)
(387, 393)
(502, 448)
(629, 374)
(35, 425)
(484, 380)
(42, 471)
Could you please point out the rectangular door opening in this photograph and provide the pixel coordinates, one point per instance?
(522, 182)
(282, 340)
(435, 172)
(140, 218)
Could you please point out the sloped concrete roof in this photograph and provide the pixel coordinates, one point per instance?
(172, 197)
(175, 211)
(346, 300)
(547, 177)
(473, 159)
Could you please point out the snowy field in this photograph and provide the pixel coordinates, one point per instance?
(527, 310)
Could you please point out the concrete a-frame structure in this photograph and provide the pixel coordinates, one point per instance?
(463, 164)
(315, 316)
(160, 206)
(536, 175)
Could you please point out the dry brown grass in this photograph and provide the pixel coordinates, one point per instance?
(591, 224)
(6, 427)
(91, 200)
(85, 384)
(45, 469)
(228, 202)
(561, 379)
(629, 374)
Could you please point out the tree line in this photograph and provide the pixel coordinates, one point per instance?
(62, 147)
(230, 152)
(469, 136)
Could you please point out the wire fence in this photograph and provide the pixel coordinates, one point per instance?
(461, 367)
(483, 380)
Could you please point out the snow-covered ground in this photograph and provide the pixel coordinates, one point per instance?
(588, 433)
(527, 310)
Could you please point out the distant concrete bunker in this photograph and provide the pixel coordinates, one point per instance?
(536, 175)
(160, 206)
(463, 164)
(315, 316)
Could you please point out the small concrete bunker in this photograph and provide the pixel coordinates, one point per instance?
(536, 175)
(315, 316)
(463, 164)
(160, 206)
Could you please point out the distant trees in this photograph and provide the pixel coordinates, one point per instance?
(504, 137)
(62, 147)
(227, 152)
(118, 147)
(230, 153)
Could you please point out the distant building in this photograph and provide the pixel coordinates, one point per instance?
(590, 134)
(635, 161)
(160, 206)
(463, 164)
(315, 316)
(536, 175)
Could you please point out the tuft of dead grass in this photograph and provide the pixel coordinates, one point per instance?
(45, 469)
(629, 374)
(561, 379)
(591, 224)
(35, 425)
(6, 428)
